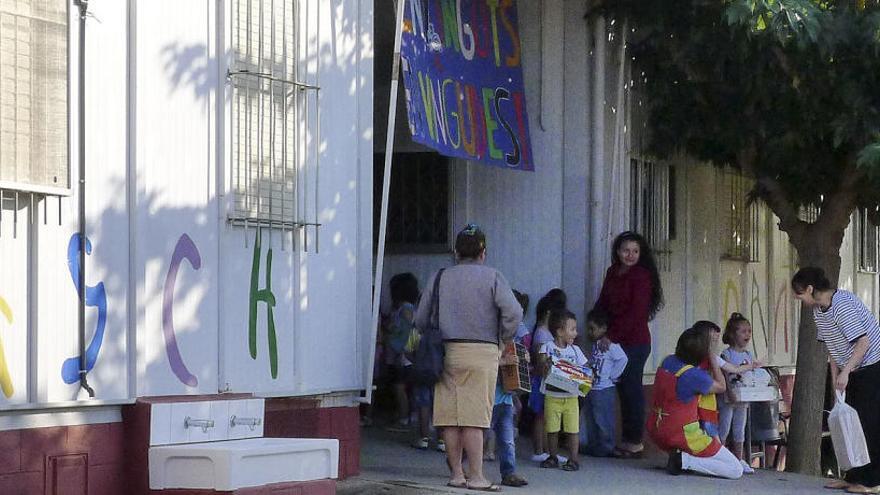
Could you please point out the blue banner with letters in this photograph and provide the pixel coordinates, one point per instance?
(461, 62)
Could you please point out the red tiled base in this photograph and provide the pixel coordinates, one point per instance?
(302, 418)
(319, 487)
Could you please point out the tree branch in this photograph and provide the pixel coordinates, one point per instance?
(771, 191)
(837, 206)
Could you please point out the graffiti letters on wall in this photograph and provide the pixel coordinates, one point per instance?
(5, 379)
(96, 297)
(184, 250)
(264, 295)
(462, 72)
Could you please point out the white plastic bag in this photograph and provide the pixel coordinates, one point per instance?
(847, 436)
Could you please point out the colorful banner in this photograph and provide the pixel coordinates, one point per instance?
(461, 65)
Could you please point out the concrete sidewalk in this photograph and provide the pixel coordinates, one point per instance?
(390, 466)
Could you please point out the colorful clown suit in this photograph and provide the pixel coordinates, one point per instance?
(674, 421)
(707, 405)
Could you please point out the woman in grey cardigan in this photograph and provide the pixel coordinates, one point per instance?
(478, 315)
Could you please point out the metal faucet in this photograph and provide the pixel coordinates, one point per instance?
(203, 423)
(249, 422)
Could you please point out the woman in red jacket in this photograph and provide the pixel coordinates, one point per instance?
(632, 296)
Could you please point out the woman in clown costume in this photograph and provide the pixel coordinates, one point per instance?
(674, 422)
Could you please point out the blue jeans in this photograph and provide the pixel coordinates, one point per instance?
(502, 424)
(632, 394)
(599, 422)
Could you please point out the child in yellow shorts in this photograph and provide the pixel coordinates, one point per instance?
(560, 407)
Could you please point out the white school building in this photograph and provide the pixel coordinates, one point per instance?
(232, 154)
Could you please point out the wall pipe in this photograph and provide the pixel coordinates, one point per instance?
(383, 215)
(598, 230)
(81, 274)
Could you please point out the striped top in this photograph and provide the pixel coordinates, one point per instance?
(842, 324)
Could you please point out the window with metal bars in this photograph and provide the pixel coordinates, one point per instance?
(33, 96)
(867, 242)
(418, 203)
(740, 218)
(275, 116)
(652, 206)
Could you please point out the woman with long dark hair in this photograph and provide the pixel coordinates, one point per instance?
(632, 296)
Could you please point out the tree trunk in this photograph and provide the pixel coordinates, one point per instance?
(805, 435)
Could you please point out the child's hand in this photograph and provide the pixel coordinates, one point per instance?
(508, 359)
(757, 364)
(604, 344)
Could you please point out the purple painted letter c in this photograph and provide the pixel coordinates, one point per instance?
(185, 249)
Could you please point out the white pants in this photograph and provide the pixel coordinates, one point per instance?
(723, 464)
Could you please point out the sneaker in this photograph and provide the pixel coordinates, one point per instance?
(562, 458)
(746, 468)
(441, 446)
(673, 465)
(540, 457)
(420, 443)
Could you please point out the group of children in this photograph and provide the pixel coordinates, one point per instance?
(587, 423)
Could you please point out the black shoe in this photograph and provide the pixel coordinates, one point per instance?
(673, 465)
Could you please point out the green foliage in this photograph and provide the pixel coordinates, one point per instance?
(794, 81)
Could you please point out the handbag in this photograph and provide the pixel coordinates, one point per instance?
(847, 435)
(428, 364)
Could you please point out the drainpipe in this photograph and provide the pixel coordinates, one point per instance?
(81, 106)
(598, 230)
(383, 215)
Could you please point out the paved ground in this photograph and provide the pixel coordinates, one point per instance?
(389, 466)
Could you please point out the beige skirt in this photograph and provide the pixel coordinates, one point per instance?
(466, 393)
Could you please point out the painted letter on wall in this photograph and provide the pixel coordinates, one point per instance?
(96, 297)
(5, 379)
(185, 249)
(263, 295)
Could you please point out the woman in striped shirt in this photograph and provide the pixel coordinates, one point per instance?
(852, 336)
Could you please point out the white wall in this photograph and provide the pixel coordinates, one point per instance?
(157, 182)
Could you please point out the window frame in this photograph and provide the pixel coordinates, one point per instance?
(862, 263)
(658, 228)
(416, 248)
(733, 189)
(10, 188)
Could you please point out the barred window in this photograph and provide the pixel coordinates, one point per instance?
(274, 117)
(652, 206)
(867, 242)
(33, 96)
(740, 217)
(418, 203)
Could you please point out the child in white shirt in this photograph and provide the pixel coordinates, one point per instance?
(607, 367)
(561, 410)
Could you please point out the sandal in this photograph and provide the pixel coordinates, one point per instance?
(571, 465)
(856, 488)
(627, 454)
(488, 488)
(514, 480)
(835, 484)
(453, 484)
(550, 462)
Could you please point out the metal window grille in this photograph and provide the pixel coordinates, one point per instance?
(652, 206)
(419, 219)
(809, 213)
(867, 245)
(33, 96)
(740, 217)
(275, 116)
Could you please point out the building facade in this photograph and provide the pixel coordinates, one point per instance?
(228, 187)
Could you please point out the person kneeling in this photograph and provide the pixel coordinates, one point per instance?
(673, 423)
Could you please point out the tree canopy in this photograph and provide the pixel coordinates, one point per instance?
(786, 90)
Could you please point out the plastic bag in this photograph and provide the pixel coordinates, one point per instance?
(847, 436)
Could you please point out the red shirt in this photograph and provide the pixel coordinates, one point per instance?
(627, 299)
